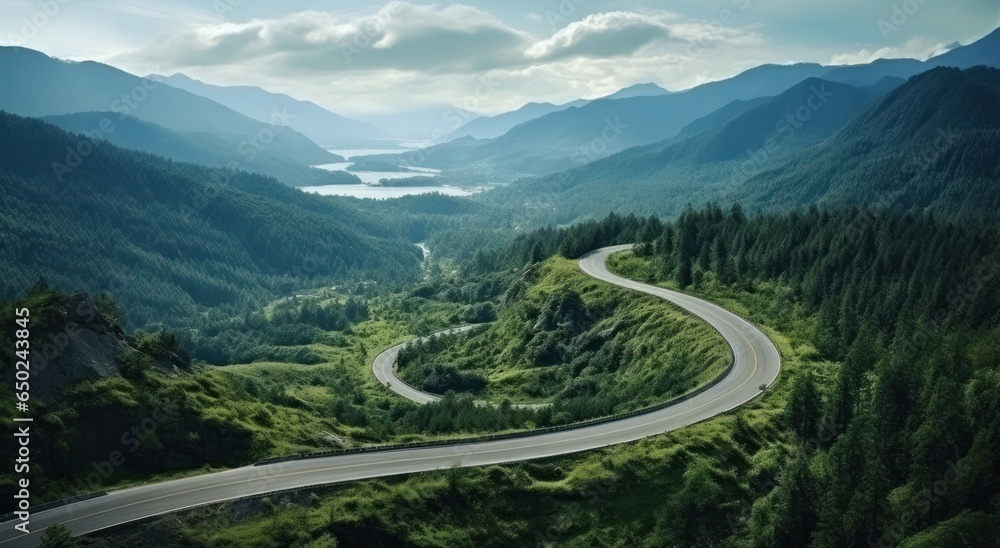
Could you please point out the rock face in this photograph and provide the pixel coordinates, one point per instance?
(74, 344)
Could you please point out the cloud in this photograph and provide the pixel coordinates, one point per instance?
(399, 36)
(456, 39)
(604, 35)
(918, 47)
(408, 54)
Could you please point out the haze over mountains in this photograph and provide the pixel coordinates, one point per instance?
(708, 125)
(168, 238)
(488, 127)
(928, 144)
(50, 87)
(850, 211)
(572, 137)
(322, 126)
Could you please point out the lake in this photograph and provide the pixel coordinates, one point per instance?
(383, 192)
(371, 178)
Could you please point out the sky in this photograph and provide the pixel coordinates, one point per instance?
(355, 56)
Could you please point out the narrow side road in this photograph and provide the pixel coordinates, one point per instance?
(756, 363)
(384, 369)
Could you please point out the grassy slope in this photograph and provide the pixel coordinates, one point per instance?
(694, 486)
(655, 351)
(253, 411)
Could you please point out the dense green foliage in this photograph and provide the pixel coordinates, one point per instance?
(180, 123)
(786, 471)
(168, 240)
(309, 388)
(589, 348)
(930, 144)
(909, 306)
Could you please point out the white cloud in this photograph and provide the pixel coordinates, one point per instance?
(401, 36)
(604, 34)
(918, 47)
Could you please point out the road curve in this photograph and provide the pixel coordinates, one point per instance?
(756, 363)
(384, 369)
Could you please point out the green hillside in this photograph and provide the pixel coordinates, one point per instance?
(168, 239)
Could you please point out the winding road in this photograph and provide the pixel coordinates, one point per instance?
(756, 363)
(384, 368)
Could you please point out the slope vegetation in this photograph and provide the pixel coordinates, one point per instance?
(168, 239)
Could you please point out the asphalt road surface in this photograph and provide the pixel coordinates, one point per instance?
(757, 363)
(384, 368)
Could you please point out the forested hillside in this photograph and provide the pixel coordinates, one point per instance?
(929, 144)
(39, 85)
(932, 144)
(198, 148)
(880, 431)
(590, 349)
(907, 306)
(170, 239)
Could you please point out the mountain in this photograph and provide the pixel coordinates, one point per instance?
(638, 90)
(38, 85)
(571, 137)
(431, 123)
(985, 51)
(489, 127)
(806, 114)
(576, 136)
(306, 117)
(872, 73)
(932, 143)
(172, 240)
(723, 115)
(197, 148)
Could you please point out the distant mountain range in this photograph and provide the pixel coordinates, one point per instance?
(197, 148)
(172, 239)
(639, 90)
(570, 137)
(489, 127)
(426, 124)
(931, 143)
(308, 118)
(39, 86)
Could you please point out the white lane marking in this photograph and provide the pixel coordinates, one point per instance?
(488, 451)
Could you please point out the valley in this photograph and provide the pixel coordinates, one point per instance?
(407, 274)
